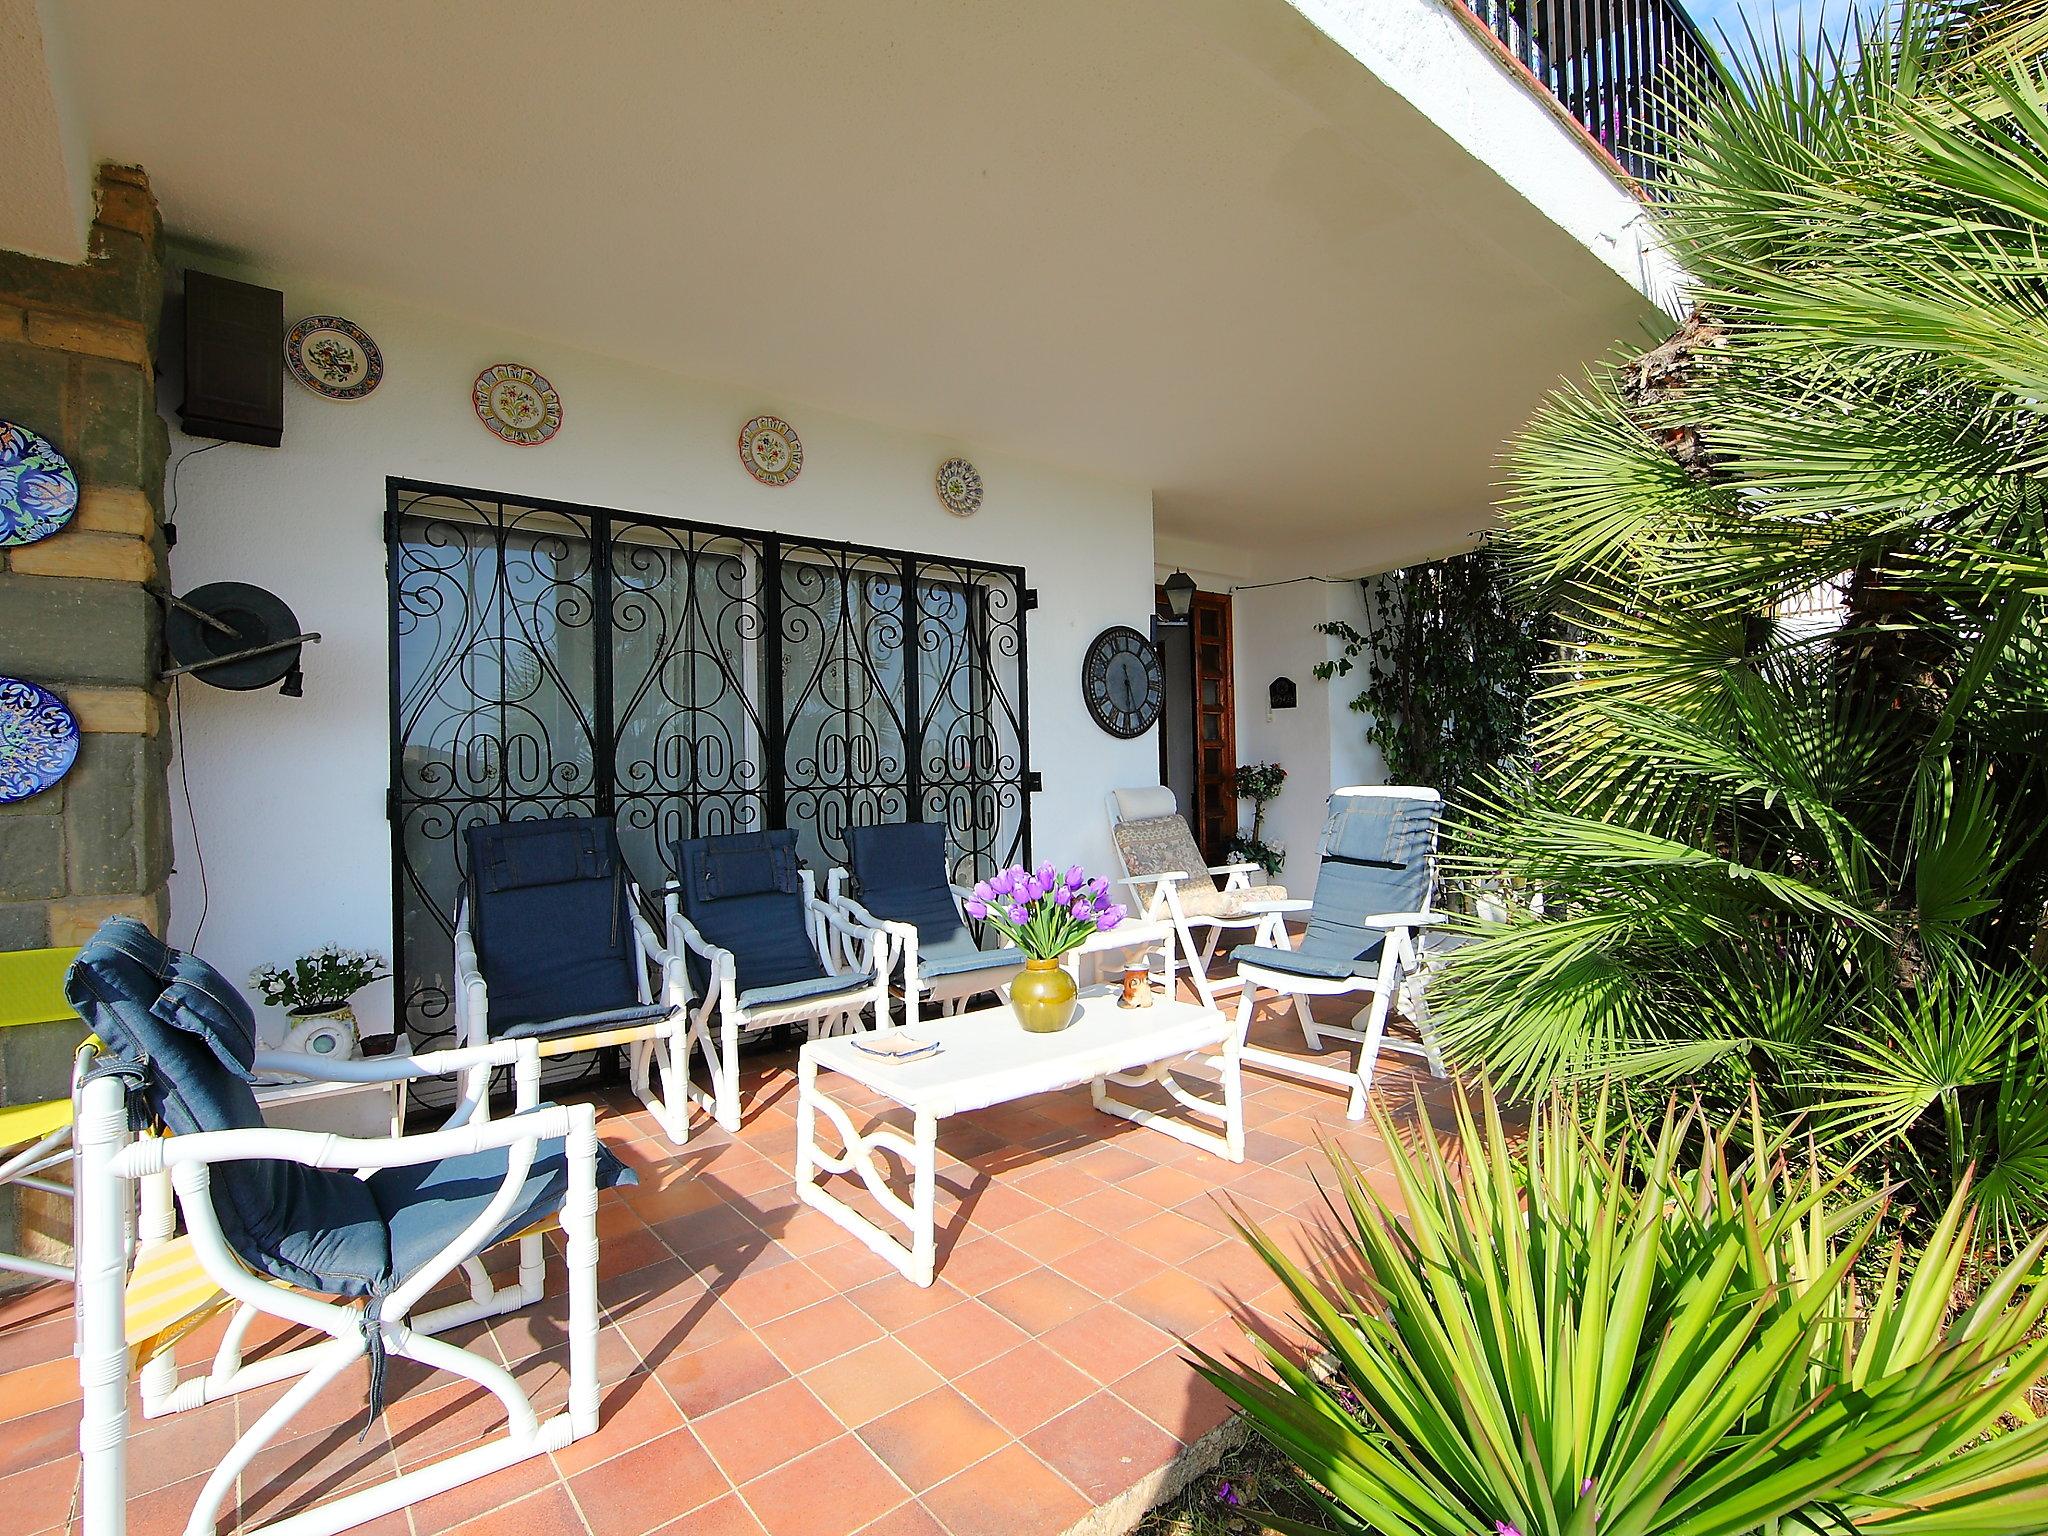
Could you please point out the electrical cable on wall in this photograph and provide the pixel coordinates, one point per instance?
(191, 821)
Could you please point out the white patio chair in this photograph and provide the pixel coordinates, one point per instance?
(346, 1238)
(1372, 904)
(762, 950)
(551, 945)
(1170, 883)
(900, 873)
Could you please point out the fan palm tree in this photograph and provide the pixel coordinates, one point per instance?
(1787, 800)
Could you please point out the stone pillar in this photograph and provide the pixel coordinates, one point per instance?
(77, 344)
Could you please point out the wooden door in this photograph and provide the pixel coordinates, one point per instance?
(1212, 717)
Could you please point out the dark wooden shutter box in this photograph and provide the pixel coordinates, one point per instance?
(234, 361)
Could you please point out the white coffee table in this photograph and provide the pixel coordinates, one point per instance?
(987, 1058)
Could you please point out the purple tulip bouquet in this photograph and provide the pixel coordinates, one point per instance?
(1043, 912)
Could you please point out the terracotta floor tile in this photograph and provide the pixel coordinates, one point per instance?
(932, 1437)
(166, 1451)
(815, 1334)
(726, 1516)
(1172, 1237)
(695, 1324)
(34, 1438)
(1106, 1342)
(961, 1337)
(629, 1413)
(758, 1298)
(870, 1381)
(467, 1501)
(1173, 1395)
(983, 1263)
(41, 1497)
(1109, 1266)
(1050, 1236)
(1040, 1299)
(1114, 1164)
(1102, 1447)
(1176, 1302)
(648, 1486)
(911, 1519)
(849, 1266)
(1012, 1493)
(1024, 1388)
(548, 1510)
(760, 1433)
(1113, 1210)
(861, 1490)
(895, 1303)
(704, 1380)
(1167, 1186)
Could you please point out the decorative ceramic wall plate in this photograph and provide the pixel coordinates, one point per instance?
(38, 491)
(38, 739)
(333, 357)
(959, 486)
(770, 450)
(517, 404)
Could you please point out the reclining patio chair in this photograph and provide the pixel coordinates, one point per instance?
(279, 1222)
(1170, 882)
(900, 875)
(763, 950)
(1371, 907)
(35, 1136)
(551, 945)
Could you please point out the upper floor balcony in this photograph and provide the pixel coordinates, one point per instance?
(1618, 68)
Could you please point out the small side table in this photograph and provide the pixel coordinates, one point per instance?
(342, 1109)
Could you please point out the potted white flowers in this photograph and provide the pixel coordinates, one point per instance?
(316, 991)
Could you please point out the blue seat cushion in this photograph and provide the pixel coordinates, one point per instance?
(548, 910)
(585, 1023)
(743, 894)
(1376, 859)
(900, 872)
(784, 993)
(424, 1206)
(961, 962)
(200, 1001)
(1295, 962)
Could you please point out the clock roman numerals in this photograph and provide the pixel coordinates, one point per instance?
(1123, 682)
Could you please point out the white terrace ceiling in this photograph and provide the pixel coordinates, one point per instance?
(1187, 243)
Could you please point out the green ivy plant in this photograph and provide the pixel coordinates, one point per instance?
(1450, 662)
(1259, 783)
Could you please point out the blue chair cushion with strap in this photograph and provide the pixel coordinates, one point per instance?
(901, 874)
(312, 1227)
(548, 911)
(425, 1205)
(1376, 858)
(961, 962)
(743, 894)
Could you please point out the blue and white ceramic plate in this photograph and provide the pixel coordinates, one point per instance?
(38, 490)
(38, 739)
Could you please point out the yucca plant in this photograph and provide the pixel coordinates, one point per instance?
(1806, 858)
(1580, 1334)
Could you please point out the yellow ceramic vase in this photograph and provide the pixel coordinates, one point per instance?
(1044, 996)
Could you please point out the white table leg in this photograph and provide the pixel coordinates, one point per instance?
(1227, 1143)
(916, 1257)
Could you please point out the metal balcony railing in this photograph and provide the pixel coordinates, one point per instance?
(1619, 67)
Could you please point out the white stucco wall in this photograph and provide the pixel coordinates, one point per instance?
(1321, 742)
(288, 794)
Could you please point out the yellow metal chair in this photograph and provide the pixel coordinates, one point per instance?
(35, 1139)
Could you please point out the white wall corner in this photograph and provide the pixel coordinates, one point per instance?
(46, 192)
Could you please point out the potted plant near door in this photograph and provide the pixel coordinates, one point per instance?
(1045, 914)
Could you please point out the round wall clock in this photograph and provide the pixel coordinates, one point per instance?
(1123, 682)
(959, 486)
(770, 449)
(38, 489)
(38, 739)
(517, 404)
(333, 357)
